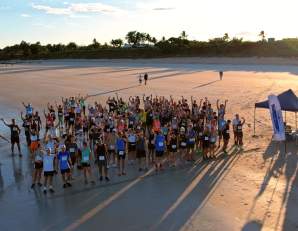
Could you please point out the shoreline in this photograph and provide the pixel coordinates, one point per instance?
(172, 60)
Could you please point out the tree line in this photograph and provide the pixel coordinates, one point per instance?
(143, 45)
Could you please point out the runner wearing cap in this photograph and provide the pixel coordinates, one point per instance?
(64, 165)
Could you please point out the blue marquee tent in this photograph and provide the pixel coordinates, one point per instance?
(288, 102)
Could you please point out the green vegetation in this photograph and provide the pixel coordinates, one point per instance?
(143, 45)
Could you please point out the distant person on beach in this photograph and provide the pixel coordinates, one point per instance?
(145, 78)
(220, 75)
(140, 79)
(15, 135)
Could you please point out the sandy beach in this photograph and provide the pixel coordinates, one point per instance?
(256, 190)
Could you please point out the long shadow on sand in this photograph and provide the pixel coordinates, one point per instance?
(205, 84)
(118, 70)
(280, 163)
(168, 206)
(153, 205)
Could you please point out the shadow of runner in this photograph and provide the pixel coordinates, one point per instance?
(290, 196)
(281, 163)
(205, 84)
(252, 226)
(196, 194)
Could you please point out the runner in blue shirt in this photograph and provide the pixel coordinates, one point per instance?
(121, 151)
(221, 126)
(64, 165)
(159, 150)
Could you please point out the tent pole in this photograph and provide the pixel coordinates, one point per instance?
(296, 120)
(255, 121)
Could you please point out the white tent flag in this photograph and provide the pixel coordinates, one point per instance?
(276, 117)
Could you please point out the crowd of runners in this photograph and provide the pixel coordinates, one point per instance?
(144, 132)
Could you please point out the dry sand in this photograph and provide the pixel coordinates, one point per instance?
(256, 189)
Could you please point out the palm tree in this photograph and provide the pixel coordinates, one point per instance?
(131, 37)
(72, 46)
(148, 38)
(262, 36)
(95, 44)
(154, 40)
(226, 37)
(183, 35)
(117, 42)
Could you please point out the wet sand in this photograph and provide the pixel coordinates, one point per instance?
(242, 192)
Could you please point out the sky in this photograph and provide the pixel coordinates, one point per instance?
(64, 21)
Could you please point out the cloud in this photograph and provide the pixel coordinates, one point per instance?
(25, 15)
(163, 8)
(52, 10)
(77, 8)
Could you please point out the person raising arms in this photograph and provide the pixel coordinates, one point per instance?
(15, 135)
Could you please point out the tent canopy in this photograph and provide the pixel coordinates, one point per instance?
(288, 102)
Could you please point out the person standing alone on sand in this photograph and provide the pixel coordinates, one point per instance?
(140, 79)
(145, 78)
(220, 75)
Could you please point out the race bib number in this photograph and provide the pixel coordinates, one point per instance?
(86, 158)
(71, 119)
(200, 134)
(64, 158)
(101, 158)
(228, 132)
(131, 122)
(239, 127)
(183, 144)
(160, 144)
(206, 138)
(192, 140)
(112, 147)
(121, 153)
(72, 150)
(174, 146)
(38, 158)
(15, 129)
(212, 139)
